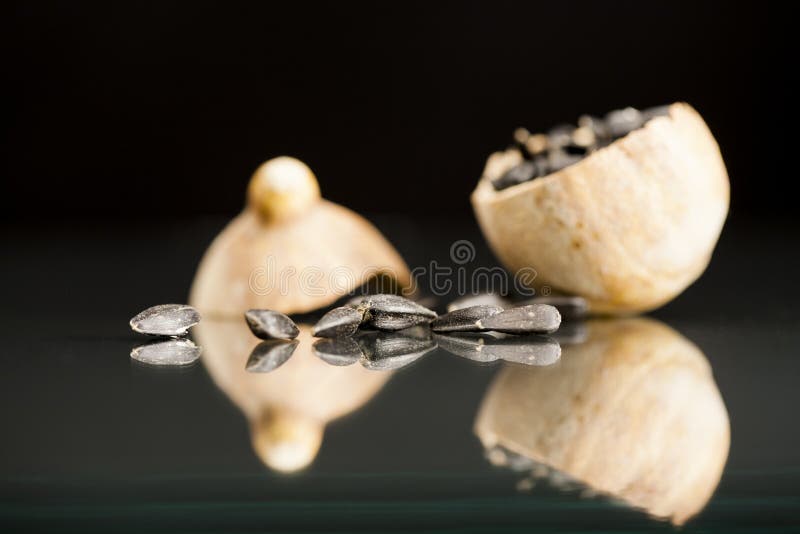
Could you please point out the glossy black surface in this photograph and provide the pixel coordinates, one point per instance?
(94, 441)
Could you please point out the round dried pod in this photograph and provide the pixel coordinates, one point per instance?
(633, 412)
(289, 402)
(290, 250)
(628, 227)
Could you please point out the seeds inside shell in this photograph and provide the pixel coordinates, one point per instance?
(339, 351)
(530, 319)
(565, 145)
(269, 324)
(269, 355)
(338, 322)
(165, 320)
(465, 319)
(167, 352)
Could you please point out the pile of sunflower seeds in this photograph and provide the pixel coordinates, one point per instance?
(170, 322)
(382, 332)
(566, 144)
(393, 312)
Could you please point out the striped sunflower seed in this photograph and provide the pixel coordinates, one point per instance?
(269, 355)
(167, 352)
(465, 319)
(165, 320)
(269, 324)
(391, 312)
(530, 319)
(338, 322)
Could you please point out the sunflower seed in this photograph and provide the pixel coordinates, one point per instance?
(521, 136)
(392, 350)
(165, 320)
(530, 319)
(595, 124)
(560, 159)
(167, 352)
(464, 320)
(536, 144)
(338, 322)
(391, 312)
(570, 307)
(526, 350)
(269, 355)
(560, 135)
(525, 171)
(623, 121)
(337, 351)
(269, 324)
(483, 299)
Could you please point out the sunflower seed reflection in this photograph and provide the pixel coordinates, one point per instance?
(527, 350)
(269, 355)
(338, 351)
(167, 352)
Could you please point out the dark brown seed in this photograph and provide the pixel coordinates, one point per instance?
(339, 322)
(536, 144)
(623, 121)
(165, 320)
(338, 351)
(269, 355)
(269, 324)
(527, 350)
(560, 159)
(570, 307)
(524, 172)
(560, 135)
(465, 319)
(530, 319)
(595, 124)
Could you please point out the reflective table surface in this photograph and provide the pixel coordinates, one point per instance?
(681, 419)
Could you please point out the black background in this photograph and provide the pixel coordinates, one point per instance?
(132, 109)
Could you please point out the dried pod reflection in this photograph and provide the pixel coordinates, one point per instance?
(633, 413)
(289, 407)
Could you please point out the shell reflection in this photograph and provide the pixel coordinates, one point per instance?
(633, 413)
(289, 406)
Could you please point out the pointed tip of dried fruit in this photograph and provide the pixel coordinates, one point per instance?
(270, 324)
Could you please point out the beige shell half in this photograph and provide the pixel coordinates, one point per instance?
(290, 251)
(628, 228)
(633, 412)
(289, 407)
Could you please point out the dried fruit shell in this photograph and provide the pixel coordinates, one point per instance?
(628, 227)
(290, 250)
